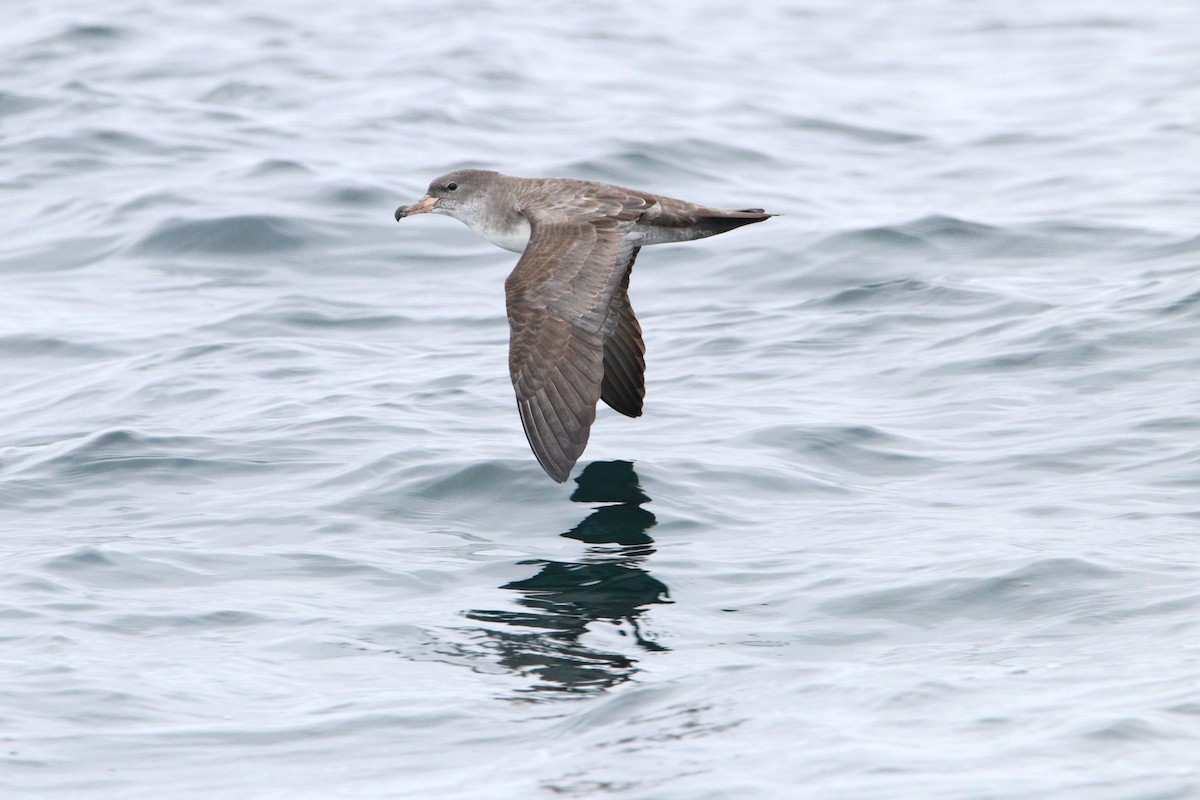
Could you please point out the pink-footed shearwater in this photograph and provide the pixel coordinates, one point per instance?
(573, 338)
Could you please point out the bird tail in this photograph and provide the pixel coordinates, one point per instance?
(722, 221)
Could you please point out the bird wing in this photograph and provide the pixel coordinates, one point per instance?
(624, 385)
(559, 300)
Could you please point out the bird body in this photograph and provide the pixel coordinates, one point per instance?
(573, 336)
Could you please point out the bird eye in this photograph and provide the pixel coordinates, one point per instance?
(451, 186)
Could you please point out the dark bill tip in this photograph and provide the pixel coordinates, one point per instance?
(423, 206)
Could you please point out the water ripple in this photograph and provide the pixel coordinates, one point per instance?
(911, 510)
(249, 234)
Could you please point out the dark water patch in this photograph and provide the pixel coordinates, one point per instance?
(124, 455)
(14, 615)
(120, 141)
(862, 450)
(240, 92)
(1019, 139)
(960, 235)
(489, 477)
(1067, 336)
(1049, 511)
(1127, 730)
(358, 474)
(907, 292)
(1170, 424)
(189, 353)
(80, 165)
(353, 427)
(433, 116)
(290, 373)
(1060, 347)
(500, 80)
(1183, 607)
(60, 254)
(311, 319)
(940, 237)
(271, 23)
(223, 354)
(156, 199)
(157, 624)
(32, 346)
(300, 314)
(12, 104)
(246, 234)
(843, 130)
(74, 41)
(633, 163)
(1011, 314)
(1071, 236)
(36, 584)
(886, 239)
(359, 197)
(1067, 589)
(322, 565)
(273, 167)
(1188, 708)
(718, 345)
(1085, 460)
(717, 151)
(1085, 23)
(93, 33)
(96, 565)
(1189, 304)
(438, 487)
(759, 480)
(96, 143)
(226, 118)
(628, 169)
(934, 319)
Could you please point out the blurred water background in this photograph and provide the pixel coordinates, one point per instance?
(913, 510)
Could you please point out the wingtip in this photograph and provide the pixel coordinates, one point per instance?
(558, 471)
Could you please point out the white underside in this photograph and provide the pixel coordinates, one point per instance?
(513, 238)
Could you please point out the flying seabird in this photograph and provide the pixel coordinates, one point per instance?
(573, 337)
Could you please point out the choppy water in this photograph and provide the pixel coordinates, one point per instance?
(914, 508)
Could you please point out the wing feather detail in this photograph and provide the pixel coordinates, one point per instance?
(624, 385)
(559, 297)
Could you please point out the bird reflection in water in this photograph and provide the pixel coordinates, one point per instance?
(564, 598)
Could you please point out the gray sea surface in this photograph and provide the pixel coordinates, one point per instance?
(914, 508)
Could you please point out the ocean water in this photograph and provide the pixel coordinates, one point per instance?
(914, 508)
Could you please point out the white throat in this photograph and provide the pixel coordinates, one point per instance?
(513, 236)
